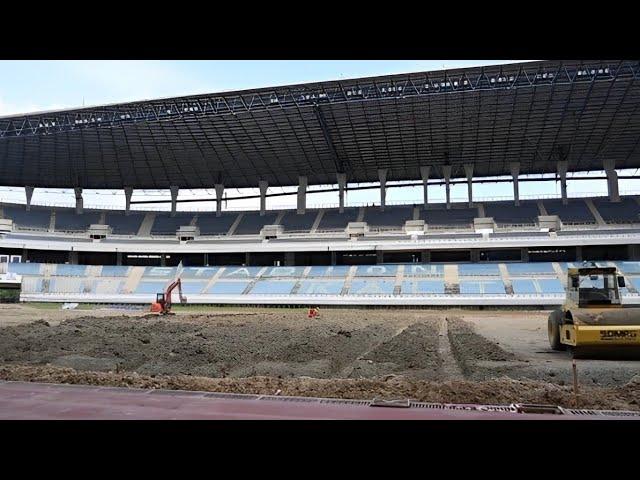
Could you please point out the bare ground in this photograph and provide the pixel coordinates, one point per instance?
(436, 356)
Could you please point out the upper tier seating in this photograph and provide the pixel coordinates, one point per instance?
(459, 215)
(508, 213)
(122, 224)
(211, 224)
(576, 210)
(165, 224)
(252, 222)
(625, 211)
(334, 220)
(391, 216)
(37, 218)
(67, 220)
(294, 222)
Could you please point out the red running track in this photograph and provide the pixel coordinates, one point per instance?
(23, 400)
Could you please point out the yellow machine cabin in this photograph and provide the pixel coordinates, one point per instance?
(592, 314)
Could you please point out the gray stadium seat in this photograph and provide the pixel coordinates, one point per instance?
(507, 213)
(211, 224)
(576, 210)
(252, 222)
(67, 220)
(122, 224)
(294, 222)
(165, 224)
(37, 218)
(457, 216)
(391, 216)
(625, 211)
(334, 220)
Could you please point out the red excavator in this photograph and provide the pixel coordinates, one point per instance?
(162, 305)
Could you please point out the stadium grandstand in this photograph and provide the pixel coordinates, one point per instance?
(467, 126)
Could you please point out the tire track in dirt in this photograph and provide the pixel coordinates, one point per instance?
(349, 369)
(450, 369)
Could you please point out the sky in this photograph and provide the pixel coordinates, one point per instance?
(29, 86)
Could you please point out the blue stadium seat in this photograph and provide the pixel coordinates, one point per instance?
(376, 270)
(284, 272)
(199, 272)
(240, 272)
(228, 288)
(629, 267)
(273, 287)
(294, 222)
(211, 224)
(334, 271)
(193, 287)
(252, 222)
(334, 220)
(414, 287)
(576, 210)
(24, 268)
(507, 213)
(70, 270)
(492, 287)
(160, 272)
(478, 269)
(457, 216)
(391, 216)
(320, 287)
(531, 268)
(550, 285)
(114, 271)
(523, 286)
(423, 270)
(371, 287)
(37, 218)
(625, 211)
(67, 220)
(150, 288)
(165, 224)
(122, 224)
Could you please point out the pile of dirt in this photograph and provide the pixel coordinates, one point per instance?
(494, 391)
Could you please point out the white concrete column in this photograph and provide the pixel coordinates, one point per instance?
(174, 199)
(342, 183)
(563, 165)
(302, 194)
(424, 173)
(382, 177)
(79, 202)
(29, 193)
(468, 170)
(128, 193)
(263, 185)
(219, 192)
(515, 173)
(446, 173)
(612, 180)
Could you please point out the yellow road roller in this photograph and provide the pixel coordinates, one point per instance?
(592, 316)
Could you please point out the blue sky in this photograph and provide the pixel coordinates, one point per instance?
(27, 86)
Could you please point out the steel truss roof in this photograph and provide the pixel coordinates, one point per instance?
(535, 113)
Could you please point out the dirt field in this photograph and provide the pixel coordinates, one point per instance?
(460, 356)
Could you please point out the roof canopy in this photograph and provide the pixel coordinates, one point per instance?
(534, 113)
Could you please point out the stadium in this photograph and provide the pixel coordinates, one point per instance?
(556, 121)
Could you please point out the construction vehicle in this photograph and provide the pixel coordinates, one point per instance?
(163, 302)
(592, 316)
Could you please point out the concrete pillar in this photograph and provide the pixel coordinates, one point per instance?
(174, 199)
(79, 202)
(128, 193)
(425, 256)
(342, 183)
(263, 185)
(468, 170)
(515, 173)
(578, 253)
(334, 257)
(247, 259)
(73, 257)
(524, 254)
(562, 172)
(612, 180)
(206, 259)
(379, 256)
(118, 258)
(424, 173)
(474, 255)
(163, 260)
(29, 193)
(382, 177)
(302, 194)
(219, 192)
(446, 173)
